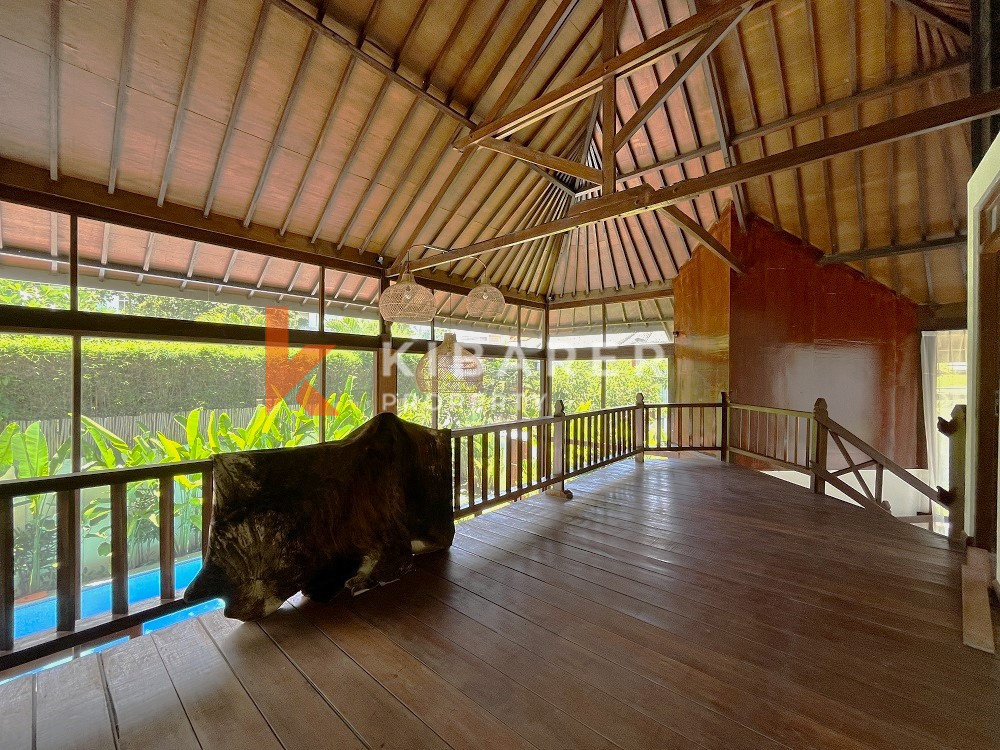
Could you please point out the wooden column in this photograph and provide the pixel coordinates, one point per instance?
(639, 428)
(817, 460)
(559, 454)
(984, 281)
(609, 45)
(724, 428)
(385, 365)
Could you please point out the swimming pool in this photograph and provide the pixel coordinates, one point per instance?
(40, 615)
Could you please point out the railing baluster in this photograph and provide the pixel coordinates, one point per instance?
(508, 460)
(457, 471)
(119, 549)
(6, 573)
(167, 589)
(67, 560)
(470, 471)
(485, 458)
(496, 463)
(207, 499)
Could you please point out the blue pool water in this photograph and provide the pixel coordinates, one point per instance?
(37, 616)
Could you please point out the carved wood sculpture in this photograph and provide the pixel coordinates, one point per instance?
(318, 518)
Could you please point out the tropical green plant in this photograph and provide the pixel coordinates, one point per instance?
(25, 454)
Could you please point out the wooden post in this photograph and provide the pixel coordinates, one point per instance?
(724, 428)
(817, 461)
(559, 454)
(639, 430)
(67, 560)
(166, 516)
(6, 573)
(954, 496)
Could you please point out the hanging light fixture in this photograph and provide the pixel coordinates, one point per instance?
(448, 368)
(406, 301)
(484, 301)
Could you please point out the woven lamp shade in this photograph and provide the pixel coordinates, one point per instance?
(407, 302)
(485, 301)
(451, 368)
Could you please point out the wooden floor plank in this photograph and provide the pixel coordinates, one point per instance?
(295, 711)
(755, 697)
(544, 724)
(148, 714)
(219, 709)
(16, 720)
(454, 717)
(371, 710)
(71, 708)
(674, 604)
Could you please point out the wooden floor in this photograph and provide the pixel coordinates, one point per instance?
(679, 604)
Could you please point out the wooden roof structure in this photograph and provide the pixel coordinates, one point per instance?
(354, 135)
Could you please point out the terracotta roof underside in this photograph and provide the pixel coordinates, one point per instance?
(320, 144)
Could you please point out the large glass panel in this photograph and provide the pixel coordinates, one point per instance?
(351, 303)
(413, 404)
(578, 384)
(627, 377)
(948, 382)
(531, 388)
(454, 317)
(350, 391)
(133, 272)
(34, 257)
(35, 432)
(495, 402)
(532, 321)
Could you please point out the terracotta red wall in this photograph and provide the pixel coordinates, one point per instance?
(797, 331)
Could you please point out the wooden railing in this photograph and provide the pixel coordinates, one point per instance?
(71, 631)
(492, 465)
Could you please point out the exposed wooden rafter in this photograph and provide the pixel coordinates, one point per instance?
(698, 54)
(182, 101)
(936, 17)
(922, 121)
(891, 251)
(532, 156)
(592, 81)
(124, 69)
(54, 6)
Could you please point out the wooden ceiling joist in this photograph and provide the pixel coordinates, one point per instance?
(182, 102)
(124, 69)
(54, 15)
(905, 126)
(548, 161)
(892, 251)
(698, 54)
(937, 18)
(591, 82)
(599, 298)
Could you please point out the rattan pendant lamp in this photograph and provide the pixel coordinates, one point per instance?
(448, 368)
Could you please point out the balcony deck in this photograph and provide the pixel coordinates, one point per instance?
(676, 604)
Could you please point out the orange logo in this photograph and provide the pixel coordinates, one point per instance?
(285, 373)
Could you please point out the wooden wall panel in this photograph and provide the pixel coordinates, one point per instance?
(800, 331)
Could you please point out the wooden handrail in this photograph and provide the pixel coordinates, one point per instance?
(81, 480)
(922, 487)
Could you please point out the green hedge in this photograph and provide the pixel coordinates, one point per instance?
(137, 377)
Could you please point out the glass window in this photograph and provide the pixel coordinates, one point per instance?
(351, 303)
(133, 272)
(578, 384)
(350, 391)
(35, 441)
(627, 377)
(413, 404)
(34, 257)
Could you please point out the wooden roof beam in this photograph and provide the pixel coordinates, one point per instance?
(923, 121)
(892, 251)
(592, 81)
(949, 68)
(175, 131)
(241, 93)
(936, 17)
(698, 54)
(603, 298)
(395, 75)
(54, 89)
(530, 155)
(124, 69)
(703, 236)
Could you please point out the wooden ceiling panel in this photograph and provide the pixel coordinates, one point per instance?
(244, 162)
(161, 48)
(287, 171)
(24, 102)
(87, 112)
(91, 36)
(273, 74)
(145, 139)
(226, 41)
(194, 162)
